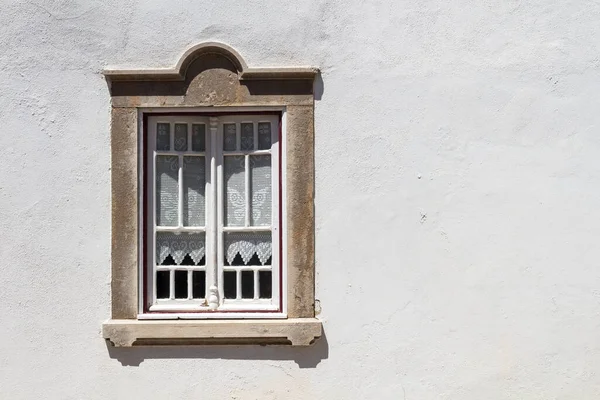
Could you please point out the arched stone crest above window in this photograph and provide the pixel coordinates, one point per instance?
(211, 74)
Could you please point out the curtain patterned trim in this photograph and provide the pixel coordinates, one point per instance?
(248, 244)
(178, 245)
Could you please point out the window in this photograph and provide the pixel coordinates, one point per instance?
(212, 217)
(212, 188)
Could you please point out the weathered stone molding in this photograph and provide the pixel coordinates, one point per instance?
(295, 332)
(178, 73)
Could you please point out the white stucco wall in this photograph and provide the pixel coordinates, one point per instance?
(457, 198)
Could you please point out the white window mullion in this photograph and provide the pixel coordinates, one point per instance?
(275, 234)
(238, 136)
(180, 193)
(190, 286)
(255, 130)
(212, 263)
(152, 213)
(219, 210)
(257, 228)
(171, 284)
(238, 284)
(189, 137)
(247, 189)
(208, 207)
(256, 284)
(171, 137)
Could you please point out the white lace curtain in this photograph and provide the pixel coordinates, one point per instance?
(178, 245)
(167, 169)
(246, 244)
(260, 190)
(167, 190)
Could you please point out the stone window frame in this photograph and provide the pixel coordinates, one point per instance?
(211, 76)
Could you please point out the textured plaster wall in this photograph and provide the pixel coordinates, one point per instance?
(457, 193)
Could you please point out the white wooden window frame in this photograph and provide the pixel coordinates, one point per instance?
(214, 229)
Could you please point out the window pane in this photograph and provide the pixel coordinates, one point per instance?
(163, 136)
(247, 284)
(178, 246)
(229, 284)
(181, 284)
(265, 284)
(199, 287)
(162, 284)
(229, 137)
(194, 184)
(247, 136)
(235, 193)
(198, 137)
(264, 135)
(246, 245)
(167, 170)
(260, 167)
(181, 137)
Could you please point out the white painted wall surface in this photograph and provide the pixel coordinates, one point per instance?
(457, 198)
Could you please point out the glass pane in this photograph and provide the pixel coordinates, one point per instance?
(247, 245)
(247, 284)
(178, 246)
(163, 136)
(194, 184)
(260, 182)
(198, 137)
(235, 193)
(199, 287)
(181, 284)
(167, 170)
(229, 284)
(247, 136)
(162, 284)
(229, 137)
(181, 137)
(265, 284)
(264, 135)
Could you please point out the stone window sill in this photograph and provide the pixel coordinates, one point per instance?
(292, 331)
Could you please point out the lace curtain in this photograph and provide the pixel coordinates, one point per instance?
(229, 137)
(264, 135)
(198, 137)
(167, 169)
(260, 190)
(235, 189)
(167, 190)
(246, 244)
(194, 180)
(163, 136)
(247, 136)
(181, 137)
(178, 245)
(260, 169)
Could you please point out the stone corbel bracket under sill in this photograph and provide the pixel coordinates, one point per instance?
(293, 331)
